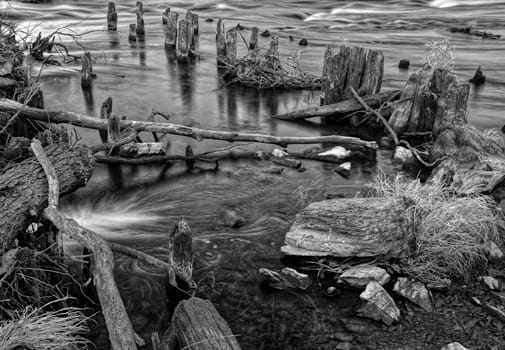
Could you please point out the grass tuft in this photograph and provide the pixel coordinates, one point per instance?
(449, 229)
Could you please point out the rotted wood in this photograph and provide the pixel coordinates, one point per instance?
(86, 71)
(105, 114)
(231, 46)
(354, 66)
(85, 121)
(194, 29)
(139, 11)
(180, 252)
(197, 325)
(220, 42)
(165, 15)
(341, 109)
(132, 36)
(184, 39)
(113, 129)
(145, 149)
(24, 188)
(111, 17)
(171, 30)
(253, 40)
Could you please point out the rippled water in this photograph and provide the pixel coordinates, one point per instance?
(137, 206)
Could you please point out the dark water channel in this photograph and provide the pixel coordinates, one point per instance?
(137, 206)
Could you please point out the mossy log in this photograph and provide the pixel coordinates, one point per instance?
(24, 188)
(353, 227)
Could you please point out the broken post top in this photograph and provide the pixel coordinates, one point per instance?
(354, 66)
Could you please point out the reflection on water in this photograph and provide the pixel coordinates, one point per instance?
(137, 206)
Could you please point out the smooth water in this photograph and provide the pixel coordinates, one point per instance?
(137, 206)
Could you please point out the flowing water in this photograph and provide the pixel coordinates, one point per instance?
(137, 206)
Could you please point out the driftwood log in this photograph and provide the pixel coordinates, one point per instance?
(197, 325)
(85, 121)
(24, 189)
(340, 109)
(354, 227)
(121, 333)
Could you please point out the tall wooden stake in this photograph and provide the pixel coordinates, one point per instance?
(111, 17)
(114, 129)
(105, 113)
(231, 46)
(193, 19)
(220, 43)
(140, 19)
(164, 17)
(171, 30)
(86, 71)
(183, 40)
(132, 36)
(253, 41)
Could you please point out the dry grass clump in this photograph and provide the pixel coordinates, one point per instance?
(35, 328)
(449, 229)
(263, 69)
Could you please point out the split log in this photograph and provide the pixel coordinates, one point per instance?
(184, 39)
(197, 325)
(220, 42)
(81, 120)
(132, 36)
(86, 71)
(354, 227)
(121, 333)
(231, 46)
(171, 30)
(343, 108)
(139, 11)
(356, 67)
(23, 187)
(111, 17)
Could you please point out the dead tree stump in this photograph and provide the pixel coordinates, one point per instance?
(140, 30)
(105, 113)
(113, 129)
(86, 71)
(132, 36)
(220, 43)
(171, 30)
(353, 67)
(180, 252)
(194, 29)
(231, 46)
(253, 40)
(184, 40)
(165, 15)
(111, 17)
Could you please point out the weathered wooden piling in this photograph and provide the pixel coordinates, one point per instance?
(183, 40)
(140, 19)
(193, 19)
(274, 46)
(105, 113)
(231, 46)
(113, 129)
(86, 71)
(253, 40)
(171, 30)
(111, 17)
(132, 36)
(165, 15)
(220, 43)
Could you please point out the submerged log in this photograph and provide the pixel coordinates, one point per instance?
(121, 333)
(220, 42)
(78, 119)
(111, 17)
(197, 325)
(354, 227)
(354, 66)
(171, 30)
(23, 187)
(341, 109)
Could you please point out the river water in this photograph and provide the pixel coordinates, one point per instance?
(137, 206)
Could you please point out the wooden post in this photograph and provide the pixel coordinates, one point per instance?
(220, 43)
(113, 129)
(171, 30)
(140, 19)
(274, 46)
(111, 17)
(183, 40)
(253, 41)
(86, 71)
(105, 113)
(193, 19)
(164, 17)
(133, 33)
(189, 153)
(180, 252)
(231, 46)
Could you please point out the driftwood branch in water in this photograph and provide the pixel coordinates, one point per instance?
(85, 121)
(341, 109)
(121, 333)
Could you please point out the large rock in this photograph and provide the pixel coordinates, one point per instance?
(380, 306)
(360, 276)
(352, 227)
(415, 292)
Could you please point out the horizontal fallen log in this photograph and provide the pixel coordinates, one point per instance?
(341, 109)
(480, 33)
(85, 121)
(121, 333)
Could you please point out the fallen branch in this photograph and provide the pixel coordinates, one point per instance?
(85, 121)
(121, 333)
(341, 109)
